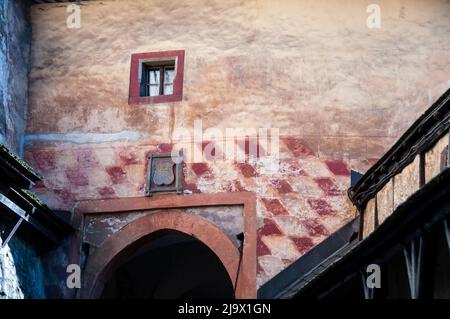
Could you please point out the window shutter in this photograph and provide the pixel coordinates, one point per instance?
(143, 84)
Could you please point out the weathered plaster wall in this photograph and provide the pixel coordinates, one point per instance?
(433, 158)
(100, 227)
(396, 191)
(298, 206)
(407, 182)
(340, 94)
(369, 218)
(385, 201)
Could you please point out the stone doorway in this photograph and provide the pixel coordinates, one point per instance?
(173, 265)
(146, 224)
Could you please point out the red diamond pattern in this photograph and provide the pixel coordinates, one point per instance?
(298, 206)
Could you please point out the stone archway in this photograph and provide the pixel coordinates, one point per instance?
(120, 246)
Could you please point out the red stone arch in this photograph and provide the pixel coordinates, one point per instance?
(126, 241)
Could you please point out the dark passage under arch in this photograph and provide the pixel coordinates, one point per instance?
(172, 265)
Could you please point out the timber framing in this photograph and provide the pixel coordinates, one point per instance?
(426, 211)
(18, 203)
(421, 136)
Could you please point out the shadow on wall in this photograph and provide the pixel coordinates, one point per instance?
(21, 271)
(9, 281)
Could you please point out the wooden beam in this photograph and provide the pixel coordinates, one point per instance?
(123, 205)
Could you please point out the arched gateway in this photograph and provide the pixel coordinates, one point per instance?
(164, 250)
(188, 248)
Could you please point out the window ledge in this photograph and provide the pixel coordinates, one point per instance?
(134, 96)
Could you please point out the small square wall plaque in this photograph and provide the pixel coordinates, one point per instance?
(164, 174)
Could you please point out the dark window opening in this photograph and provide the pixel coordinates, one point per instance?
(172, 265)
(157, 78)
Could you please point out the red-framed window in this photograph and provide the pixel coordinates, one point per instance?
(156, 77)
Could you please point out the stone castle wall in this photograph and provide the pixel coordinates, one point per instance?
(339, 92)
